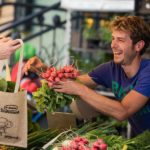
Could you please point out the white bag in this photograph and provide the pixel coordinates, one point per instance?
(13, 112)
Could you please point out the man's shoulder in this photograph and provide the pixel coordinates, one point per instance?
(145, 64)
(144, 71)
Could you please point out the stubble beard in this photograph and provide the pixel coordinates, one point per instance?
(127, 60)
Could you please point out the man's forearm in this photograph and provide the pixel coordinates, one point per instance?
(103, 104)
(86, 80)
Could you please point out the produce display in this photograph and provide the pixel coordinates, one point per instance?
(99, 136)
(90, 136)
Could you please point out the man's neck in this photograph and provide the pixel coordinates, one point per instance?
(132, 69)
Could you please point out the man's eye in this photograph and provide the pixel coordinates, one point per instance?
(121, 40)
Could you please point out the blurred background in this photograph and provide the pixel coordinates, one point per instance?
(59, 31)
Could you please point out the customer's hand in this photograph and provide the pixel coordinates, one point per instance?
(8, 46)
(34, 62)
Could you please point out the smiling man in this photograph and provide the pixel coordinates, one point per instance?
(128, 75)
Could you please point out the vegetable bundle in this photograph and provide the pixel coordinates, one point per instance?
(52, 75)
(82, 143)
(49, 100)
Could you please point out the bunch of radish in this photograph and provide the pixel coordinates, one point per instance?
(78, 143)
(99, 145)
(53, 75)
(81, 143)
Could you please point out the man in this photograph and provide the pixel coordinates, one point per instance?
(8, 46)
(127, 75)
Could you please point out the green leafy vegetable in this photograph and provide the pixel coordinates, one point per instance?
(49, 100)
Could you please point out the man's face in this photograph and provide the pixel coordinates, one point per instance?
(122, 47)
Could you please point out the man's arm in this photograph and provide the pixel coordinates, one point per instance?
(86, 80)
(131, 103)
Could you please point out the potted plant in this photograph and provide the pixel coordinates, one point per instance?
(91, 34)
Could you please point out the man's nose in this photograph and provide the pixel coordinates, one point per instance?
(114, 44)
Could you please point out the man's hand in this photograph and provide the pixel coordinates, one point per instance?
(69, 87)
(34, 62)
(8, 46)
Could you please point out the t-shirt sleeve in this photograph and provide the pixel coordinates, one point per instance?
(143, 84)
(102, 75)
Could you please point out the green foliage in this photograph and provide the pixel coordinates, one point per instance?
(49, 100)
(142, 141)
(105, 34)
(91, 33)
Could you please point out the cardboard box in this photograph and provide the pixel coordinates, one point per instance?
(82, 110)
(61, 120)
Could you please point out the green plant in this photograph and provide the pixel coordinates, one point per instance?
(105, 34)
(91, 33)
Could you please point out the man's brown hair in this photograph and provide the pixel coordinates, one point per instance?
(136, 26)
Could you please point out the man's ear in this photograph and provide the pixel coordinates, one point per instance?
(139, 45)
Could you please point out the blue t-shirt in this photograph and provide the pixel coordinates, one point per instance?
(112, 76)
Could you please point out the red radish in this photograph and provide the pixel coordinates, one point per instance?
(93, 148)
(45, 75)
(51, 79)
(69, 75)
(66, 75)
(95, 145)
(103, 146)
(57, 79)
(73, 145)
(82, 147)
(58, 71)
(100, 141)
(52, 69)
(77, 139)
(53, 74)
(48, 71)
(65, 148)
(67, 70)
(50, 84)
(60, 75)
(62, 70)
